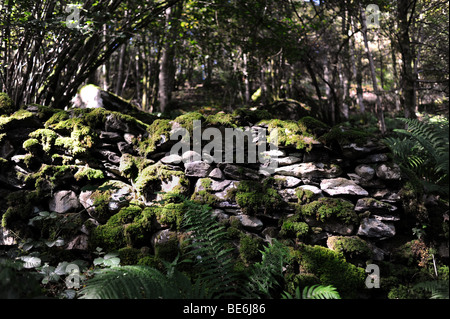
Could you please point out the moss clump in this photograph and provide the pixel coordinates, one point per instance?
(313, 126)
(130, 166)
(81, 138)
(205, 198)
(292, 227)
(31, 145)
(251, 196)
(56, 118)
(130, 227)
(187, 120)
(20, 209)
(352, 247)
(18, 119)
(46, 138)
(221, 119)
(89, 174)
(159, 130)
(149, 180)
(330, 268)
(289, 133)
(6, 104)
(249, 248)
(50, 177)
(326, 208)
(304, 196)
(345, 135)
(171, 215)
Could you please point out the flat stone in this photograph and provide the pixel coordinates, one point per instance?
(310, 170)
(197, 169)
(374, 158)
(288, 194)
(289, 160)
(251, 222)
(64, 202)
(373, 205)
(287, 181)
(373, 227)
(342, 186)
(191, 156)
(171, 159)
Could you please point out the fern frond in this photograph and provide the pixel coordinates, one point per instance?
(267, 273)
(439, 288)
(207, 247)
(136, 282)
(320, 292)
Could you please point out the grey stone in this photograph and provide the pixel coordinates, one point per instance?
(191, 156)
(64, 202)
(389, 171)
(374, 158)
(80, 242)
(373, 205)
(216, 173)
(236, 172)
(289, 160)
(373, 227)
(316, 190)
(342, 186)
(6, 149)
(288, 195)
(197, 169)
(171, 159)
(251, 222)
(365, 171)
(287, 181)
(310, 170)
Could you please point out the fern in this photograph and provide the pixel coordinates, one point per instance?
(314, 292)
(438, 288)
(207, 245)
(424, 148)
(267, 274)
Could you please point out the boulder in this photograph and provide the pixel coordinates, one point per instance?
(374, 227)
(251, 222)
(310, 170)
(365, 171)
(342, 186)
(64, 202)
(197, 169)
(216, 173)
(389, 171)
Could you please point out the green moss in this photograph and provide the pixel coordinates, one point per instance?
(312, 125)
(330, 268)
(56, 118)
(187, 120)
(249, 248)
(345, 135)
(352, 247)
(221, 119)
(289, 133)
(90, 174)
(130, 166)
(250, 196)
(129, 255)
(49, 177)
(326, 208)
(81, 136)
(16, 120)
(6, 104)
(158, 128)
(294, 228)
(171, 215)
(169, 249)
(20, 209)
(204, 197)
(155, 174)
(31, 145)
(46, 138)
(304, 196)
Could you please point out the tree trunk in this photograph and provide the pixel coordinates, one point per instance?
(378, 108)
(407, 96)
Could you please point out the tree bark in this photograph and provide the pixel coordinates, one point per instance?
(378, 107)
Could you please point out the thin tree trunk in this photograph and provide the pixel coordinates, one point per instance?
(378, 108)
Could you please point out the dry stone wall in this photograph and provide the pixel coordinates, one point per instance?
(103, 172)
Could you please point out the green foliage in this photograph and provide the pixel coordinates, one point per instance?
(424, 149)
(207, 246)
(438, 288)
(267, 274)
(6, 104)
(314, 292)
(327, 208)
(251, 196)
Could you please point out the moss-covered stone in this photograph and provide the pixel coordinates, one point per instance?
(6, 104)
(325, 209)
(158, 131)
(51, 177)
(288, 133)
(244, 116)
(352, 247)
(292, 227)
(186, 120)
(221, 119)
(313, 125)
(304, 196)
(249, 248)
(251, 196)
(130, 166)
(89, 174)
(330, 268)
(345, 135)
(151, 179)
(18, 119)
(20, 209)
